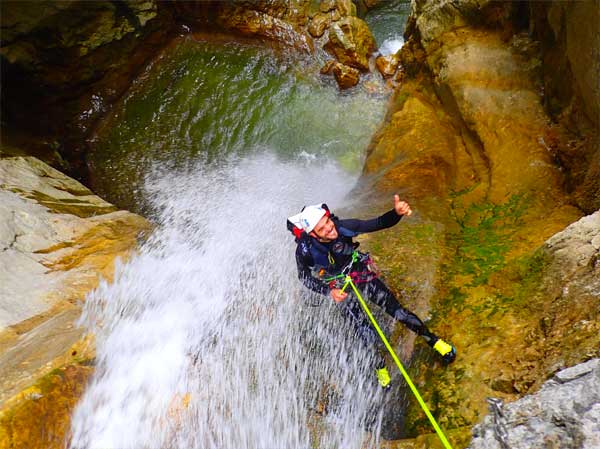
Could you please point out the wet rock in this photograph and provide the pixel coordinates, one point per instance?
(327, 5)
(57, 240)
(466, 130)
(40, 416)
(387, 65)
(345, 76)
(318, 24)
(351, 42)
(63, 62)
(328, 67)
(346, 7)
(255, 23)
(335, 15)
(565, 413)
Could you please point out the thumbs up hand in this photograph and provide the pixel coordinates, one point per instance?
(401, 207)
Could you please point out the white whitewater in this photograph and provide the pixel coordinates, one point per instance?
(205, 340)
(391, 46)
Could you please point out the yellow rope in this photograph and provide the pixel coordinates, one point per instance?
(438, 430)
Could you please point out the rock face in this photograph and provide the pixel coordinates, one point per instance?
(468, 142)
(565, 413)
(63, 63)
(570, 45)
(57, 240)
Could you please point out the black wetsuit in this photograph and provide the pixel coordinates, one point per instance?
(312, 256)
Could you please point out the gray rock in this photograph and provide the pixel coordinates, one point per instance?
(564, 414)
(577, 371)
(577, 243)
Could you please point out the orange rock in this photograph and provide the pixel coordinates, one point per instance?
(40, 416)
(71, 242)
(318, 24)
(328, 67)
(351, 42)
(345, 76)
(387, 65)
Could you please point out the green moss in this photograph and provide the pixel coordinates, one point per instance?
(526, 275)
(479, 247)
(484, 236)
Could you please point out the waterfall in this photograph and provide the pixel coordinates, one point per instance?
(206, 339)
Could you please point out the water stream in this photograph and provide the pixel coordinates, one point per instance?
(206, 339)
(387, 23)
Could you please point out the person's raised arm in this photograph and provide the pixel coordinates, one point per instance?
(384, 221)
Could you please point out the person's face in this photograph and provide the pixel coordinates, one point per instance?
(325, 229)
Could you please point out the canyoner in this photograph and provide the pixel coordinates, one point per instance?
(328, 262)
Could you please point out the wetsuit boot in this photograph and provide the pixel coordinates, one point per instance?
(446, 351)
(383, 377)
(382, 373)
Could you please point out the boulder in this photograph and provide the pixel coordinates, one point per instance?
(328, 67)
(351, 42)
(565, 413)
(327, 5)
(387, 65)
(346, 7)
(345, 76)
(318, 24)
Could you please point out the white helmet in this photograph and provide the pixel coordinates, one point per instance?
(308, 218)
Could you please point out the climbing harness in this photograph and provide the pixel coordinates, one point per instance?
(358, 277)
(348, 281)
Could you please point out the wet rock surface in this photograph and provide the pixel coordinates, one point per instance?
(57, 240)
(468, 142)
(565, 413)
(64, 63)
(345, 76)
(387, 65)
(351, 42)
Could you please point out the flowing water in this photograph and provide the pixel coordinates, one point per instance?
(387, 23)
(206, 339)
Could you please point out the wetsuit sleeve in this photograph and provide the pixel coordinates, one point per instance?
(306, 277)
(385, 221)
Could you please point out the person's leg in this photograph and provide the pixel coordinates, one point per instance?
(381, 295)
(378, 293)
(367, 335)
